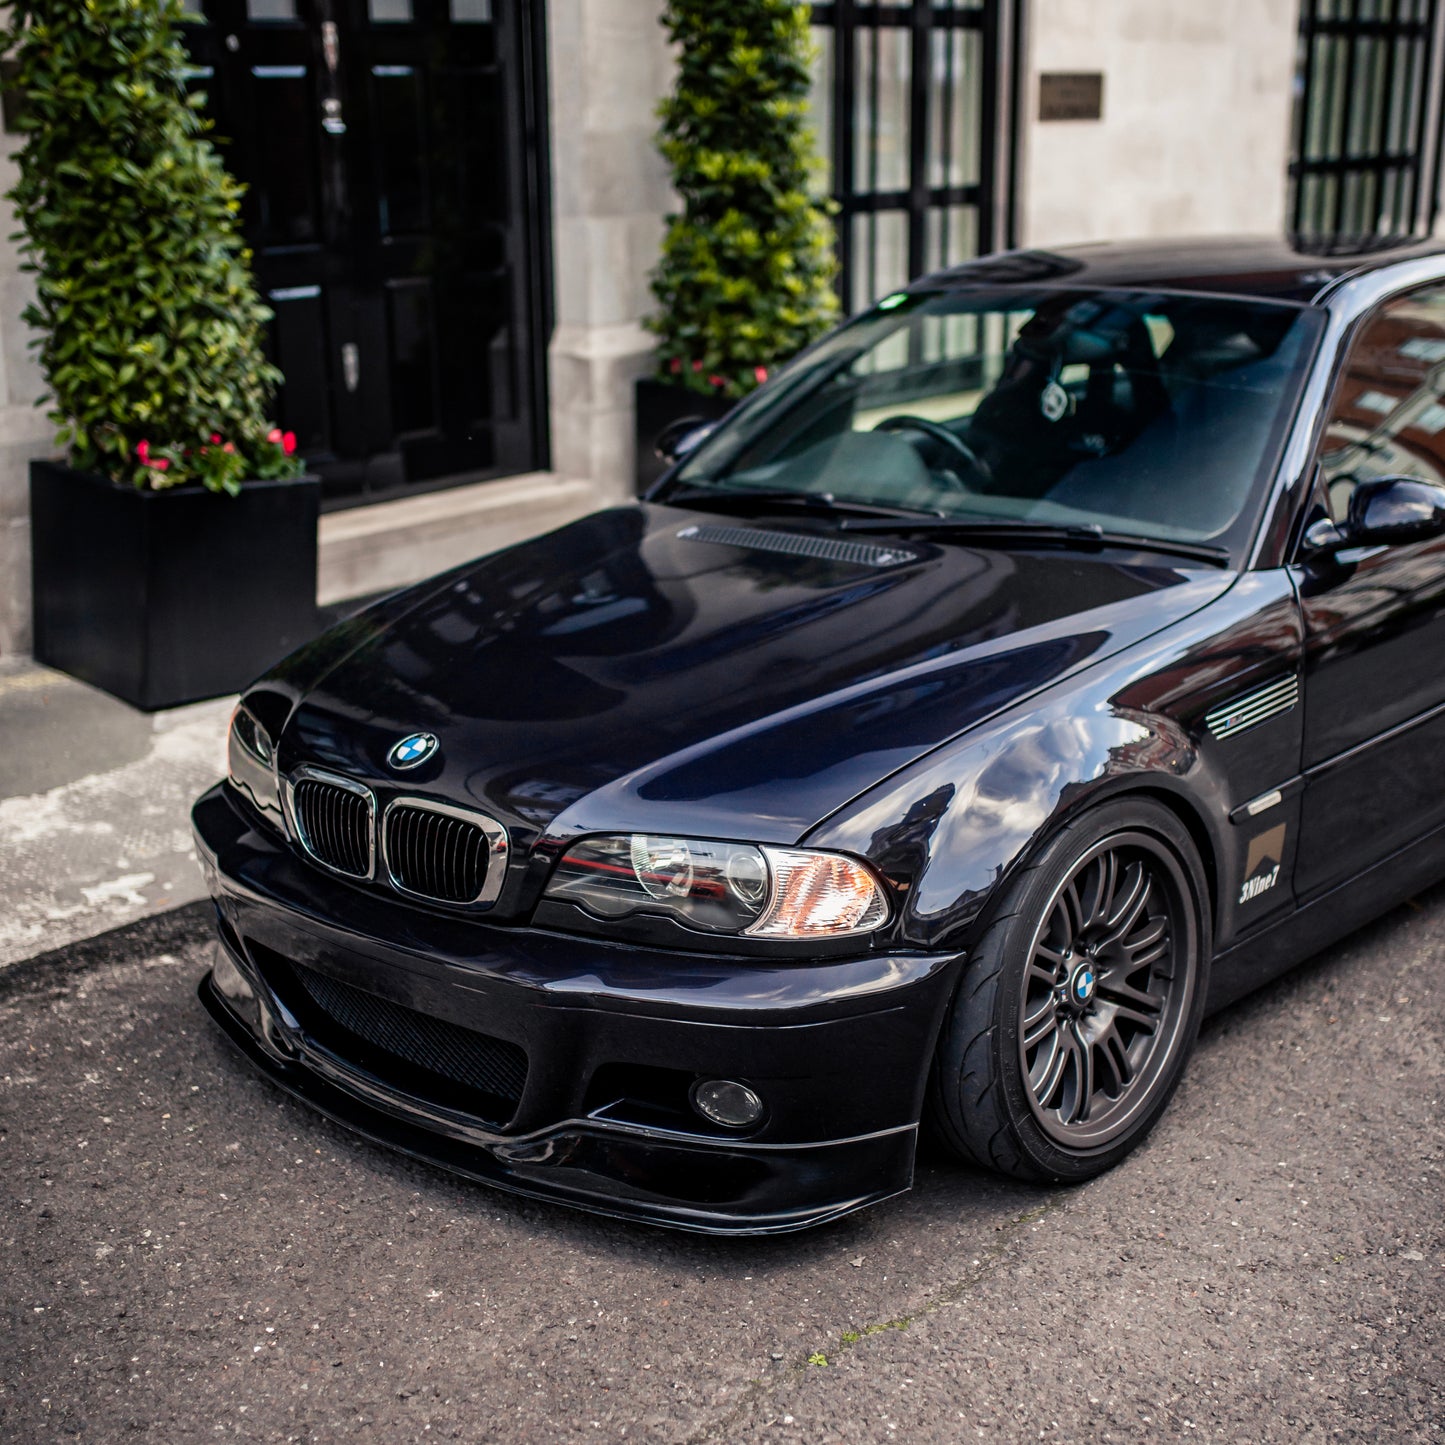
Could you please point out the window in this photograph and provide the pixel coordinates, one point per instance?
(910, 101)
(1388, 417)
(1140, 412)
(1366, 153)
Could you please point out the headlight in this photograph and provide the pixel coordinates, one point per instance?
(251, 763)
(762, 892)
(252, 737)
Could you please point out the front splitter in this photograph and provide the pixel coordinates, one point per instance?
(606, 1169)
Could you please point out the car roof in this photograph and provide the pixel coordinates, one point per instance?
(1269, 267)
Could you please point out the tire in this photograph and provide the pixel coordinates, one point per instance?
(1063, 960)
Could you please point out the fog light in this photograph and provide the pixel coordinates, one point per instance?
(230, 982)
(726, 1102)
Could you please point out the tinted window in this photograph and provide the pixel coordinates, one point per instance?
(1388, 415)
(1146, 412)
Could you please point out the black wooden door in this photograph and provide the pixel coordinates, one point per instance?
(393, 151)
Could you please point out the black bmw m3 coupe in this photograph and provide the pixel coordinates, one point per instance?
(1052, 654)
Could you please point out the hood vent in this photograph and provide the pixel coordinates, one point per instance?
(799, 544)
(1253, 708)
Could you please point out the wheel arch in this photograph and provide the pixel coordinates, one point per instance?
(964, 827)
(986, 1102)
(1186, 809)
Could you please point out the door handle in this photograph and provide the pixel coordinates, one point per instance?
(331, 121)
(351, 365)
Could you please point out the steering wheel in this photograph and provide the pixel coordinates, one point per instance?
(941, 434)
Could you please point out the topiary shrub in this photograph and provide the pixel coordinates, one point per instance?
(150, 324)
(745, 279)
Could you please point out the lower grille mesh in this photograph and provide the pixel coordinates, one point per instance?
(391, 1040)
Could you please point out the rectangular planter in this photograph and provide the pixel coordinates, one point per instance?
(167, 597)
(659, 404)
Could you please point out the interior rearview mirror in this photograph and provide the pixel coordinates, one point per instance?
(680, 438)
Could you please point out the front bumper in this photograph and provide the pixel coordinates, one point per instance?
(612, 1035)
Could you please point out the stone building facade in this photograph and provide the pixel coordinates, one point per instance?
(1135, 118)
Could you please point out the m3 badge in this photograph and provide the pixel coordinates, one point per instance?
(1261, 866)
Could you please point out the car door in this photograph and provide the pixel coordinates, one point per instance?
(1374, 617)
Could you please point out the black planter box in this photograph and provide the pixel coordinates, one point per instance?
(659, 404)
(167, 597)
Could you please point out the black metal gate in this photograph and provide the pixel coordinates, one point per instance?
(1366, 143)
(915, 105)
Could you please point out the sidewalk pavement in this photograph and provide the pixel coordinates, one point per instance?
(95, 803)
(94, 807)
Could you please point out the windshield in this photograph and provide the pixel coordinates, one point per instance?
(1140, 412)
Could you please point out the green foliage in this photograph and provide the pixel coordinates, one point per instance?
(150, 324)
(746, 273)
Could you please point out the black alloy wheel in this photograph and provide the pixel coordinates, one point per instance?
(1100, 1007)
(1081, 1000)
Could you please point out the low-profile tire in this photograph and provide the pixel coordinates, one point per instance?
(1081, 1001)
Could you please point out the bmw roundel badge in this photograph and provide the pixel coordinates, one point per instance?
(412, 751)
(1084, 985)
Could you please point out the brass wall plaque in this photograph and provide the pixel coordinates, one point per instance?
(1071, 96)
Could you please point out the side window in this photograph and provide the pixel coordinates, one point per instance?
(1388, 416)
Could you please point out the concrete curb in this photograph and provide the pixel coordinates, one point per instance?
(155, 933)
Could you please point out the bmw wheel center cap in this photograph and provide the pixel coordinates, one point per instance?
(412, 751)
(1083, 984)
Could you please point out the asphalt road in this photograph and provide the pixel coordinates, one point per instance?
(190, 1256)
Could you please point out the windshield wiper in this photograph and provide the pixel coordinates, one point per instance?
(823, 503)
(1087, 536)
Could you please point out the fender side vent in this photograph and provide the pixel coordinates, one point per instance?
(1242, 713)
(831, 549)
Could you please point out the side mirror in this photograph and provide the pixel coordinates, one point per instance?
(1391, 510)
(681, 438)
(1385, 511)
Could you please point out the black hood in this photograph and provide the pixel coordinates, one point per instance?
(649, 668)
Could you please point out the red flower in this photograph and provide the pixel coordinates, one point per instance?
(676, 365)
(229, 447)
(288, 442)
(274, 435)
(716, 381)
(160, 464)
(143, 452)
(697, 366)
(216, 437)
(760, 373)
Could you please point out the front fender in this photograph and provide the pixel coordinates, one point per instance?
(957, 825)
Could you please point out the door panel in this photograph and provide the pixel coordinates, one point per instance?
(1374, 752)
(299, 347)
(392, 153)
(286, 211)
